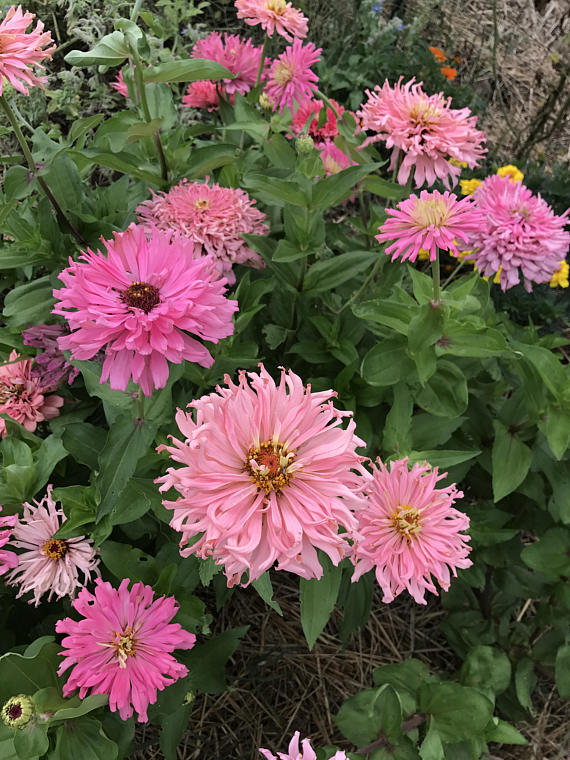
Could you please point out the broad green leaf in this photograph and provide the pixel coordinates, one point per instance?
(30, 303)
(356, 606)
(173, 726)
(188, 70)
(384, 312)
(562, 671)
(457, 712)
(396, 437)
(111, 50)
(362, 717)
(429, 431)
(28, 672)
(80, 127)
(275, 191)
(85, 739)
(318, 599)
(386, 364)
(442, 458)
(486, 668)
(525, 681)
(18, 183)
(432, 747)
(548, 366)
(555, 424)
(84, 442)
(551, 554)
(502, 732)
(511, 460)
(264, 588)
(287, 251)
(207, 661)
(464, 340)
(384, 188)
(84, 706)
(331, 190)
(126, 561)
(330, 273)
(143, 129)
(209, 157)
(31, 741)
(445, 393)
(425, 329)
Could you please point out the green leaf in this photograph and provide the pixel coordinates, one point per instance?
(207, 661)
(389, 313)
(502, 732)
(204, 160)
(111, 50)
(511, 460)
(362, 717)
(84, 706)
(445, 393)
(80, 127)
(330, 273)
(465, 340)
(562, 671)
(422, 285)
(84, 441)
(318, 599)
(31, 741)
(551, 554)
(30, 303)
(384, 188)
(85, 739)
(287, 251)
(548, 366)
(457, 712)
(135, 500)
(126, 561)
(332, 190)
(525, 681)
(279, 152)
(188, 70)
(486, 668)
(51, 452)
(555, 424)
(28, 672)
(143, 129)
(17, 183)
(386, 364)
(425, 328)
(432, 747)
(406, 678)
(442, 458)
(275, 191)
(396, 437)
(173, 726)
(264, 588)
(429, 431)
(356, 606)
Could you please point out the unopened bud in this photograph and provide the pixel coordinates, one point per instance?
(265, 102)
(18, 711)
(304, 144)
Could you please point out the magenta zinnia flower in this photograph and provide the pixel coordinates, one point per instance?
(519, 233)
(274, 16)
(239, 56)
(205, 94)
(21, 50)
(294, 753)
(8, 560)
(49, 565)
(268, 476)
(309, 111)
(50, 366)
(23, 396)
(432, 221)
(334, 159)
(139, 302)
(425, 128)
(409, 531)
(290, 77)
(122, 646)
(214, 216)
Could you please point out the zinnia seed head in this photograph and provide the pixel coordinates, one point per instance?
(267, 464)
(18, 711)
(55, 548)
(141, 295)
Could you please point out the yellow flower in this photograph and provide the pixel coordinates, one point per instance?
(455, 162)
(423, 255)
(510, 171)
(468, 186)
(560, 277)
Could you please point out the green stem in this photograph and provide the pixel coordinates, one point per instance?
(321, 96)
(364, 285)
(141, 91)
(136, 10)
(452, 275)
(436, 280)
(33, 169)
(262, 61)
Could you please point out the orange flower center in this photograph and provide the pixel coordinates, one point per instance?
(55, 548)
(124, 645)
(283, 74)
(406, 520)
(202, 203)
(430, 213)
(277, 6)
(141, 295)
(268, 465)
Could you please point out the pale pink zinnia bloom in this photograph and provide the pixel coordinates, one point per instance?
(274, 16)
(21, 50)
(425, 128)
(294, 753)
(205, 94)
(8, 560)
(139, 302)
(334, 159)
(309, 111)
(432, 221)
(120, 85)
(519, 235)
(215, 217)
(269, 475)
(409, 531)
(239, 56)
(290, 76)
(122, 646)
(23, 397)
(49, 565)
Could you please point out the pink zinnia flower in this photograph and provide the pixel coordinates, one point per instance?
(409, 531)
(309, 111)
(23, 397)
(122, 646)
(425, 128)
(519, 235)
(8, 560)
(290, 77)
(49, 565)
(294, 753)
(274, 16)
(119, 85)
(334, 159)
(239, 56)
(214, 216)
(432, 221)
(205, 94)
(139, 302)
(50, 366)
(268, 476)
(21, 50)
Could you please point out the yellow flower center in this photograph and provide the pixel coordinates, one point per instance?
(424, 112)
(55, 549)
(277, 6)
(268, 465)
(430, 213)
(202, 203)
(283, 74)
(406, 520)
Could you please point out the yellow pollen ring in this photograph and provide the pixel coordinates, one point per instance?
(268, 465)
(202, 204)
(283, 74)
(277, 6)
(123, 644)
(430, 213)
(407, 521)
(55, 548)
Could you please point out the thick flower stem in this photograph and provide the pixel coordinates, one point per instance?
(33, 169)
(141, 91)
(262, 61)
(136, 10)
(436, 281)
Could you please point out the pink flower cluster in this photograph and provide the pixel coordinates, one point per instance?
(20, 51)
(425, 129)
(239, 56)
(23, 397)
(294, 752)
(212, 216)
(274, 16)
(50, 367)
(290, 77)
(8, 560)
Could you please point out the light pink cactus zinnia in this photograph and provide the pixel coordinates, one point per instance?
(294, 752)
(274, 16)
(122, 646)
(409, 532)
(143, 302)
(268, 475)
(49, 565)
(20, 51)
(8, 560)
(423, 130)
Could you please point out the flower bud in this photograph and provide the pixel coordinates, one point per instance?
(265, 102)
(18, 711)
(304, 144)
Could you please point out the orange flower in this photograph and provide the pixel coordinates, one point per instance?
(458, 60)
(449, 72)
(438, 54)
